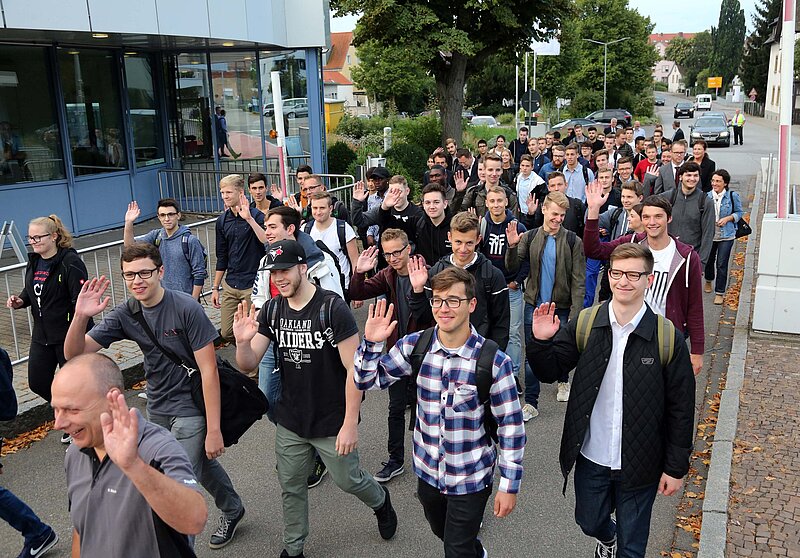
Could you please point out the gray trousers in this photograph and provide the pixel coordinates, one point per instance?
(295, 455)
(191, 433)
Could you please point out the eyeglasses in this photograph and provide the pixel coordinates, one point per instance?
(395, 254)
(452, 302)
(36, 239)
(167, 215)
(143, 274)
(631, 275)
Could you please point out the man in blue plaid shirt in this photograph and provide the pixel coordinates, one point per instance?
(454, 456)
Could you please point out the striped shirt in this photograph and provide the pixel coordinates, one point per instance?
(452, 451)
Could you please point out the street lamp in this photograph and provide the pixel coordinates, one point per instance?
(605, 61)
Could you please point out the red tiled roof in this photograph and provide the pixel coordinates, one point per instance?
(340, 42)
(667, 37)
(332, 76)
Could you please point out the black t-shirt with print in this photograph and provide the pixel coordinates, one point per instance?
(40, 276)
(313, 377)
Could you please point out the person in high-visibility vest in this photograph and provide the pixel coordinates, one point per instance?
(738, 122)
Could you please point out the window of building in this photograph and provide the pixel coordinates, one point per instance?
(348, 59)
(236, 107)
(29, 132)
(145, 113)
(90, 83)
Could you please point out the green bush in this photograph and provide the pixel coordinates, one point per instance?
(351, 126)
(641, 104)
(340, 155)
(410, 156)
(424, 131)
(506, 119)
(660, 86)
(585, 102)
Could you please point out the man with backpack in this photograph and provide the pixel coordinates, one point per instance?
(493, 316)
(313, 185)
(183, 254)
(400, 213)
(468, 417)
(693, 218)
(628, 428)
(39, 537)
(557, 275)
(334, 233)
(316, 337)
(576, 175)
(475, 196)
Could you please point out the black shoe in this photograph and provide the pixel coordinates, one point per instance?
(387, 518)
(39, 547)
(285, 554)
(319, 471)
(390, 470)
(225, 531)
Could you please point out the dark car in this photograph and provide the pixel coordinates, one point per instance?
(564, 124)
(604, 116)
(684, 109)
(659, 101)
(712, 129)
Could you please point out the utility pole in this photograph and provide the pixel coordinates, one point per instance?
(605, 62)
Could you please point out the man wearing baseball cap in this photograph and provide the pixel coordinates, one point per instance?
(317, 337)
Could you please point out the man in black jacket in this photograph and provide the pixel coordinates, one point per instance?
(629, 423)
(492, 315)
(573, 220)
(403, 214)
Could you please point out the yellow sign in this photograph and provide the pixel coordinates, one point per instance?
(714, 82)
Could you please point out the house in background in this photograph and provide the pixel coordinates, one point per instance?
(661, 40)
(336, 79)
(772, 96)
(667, 71)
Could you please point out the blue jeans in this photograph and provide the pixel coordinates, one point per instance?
(514, 348)
(269, 380)
(191, 433)
(16, 513)
(598, 493)
(532, 387)
(592, 273)
(717, 264)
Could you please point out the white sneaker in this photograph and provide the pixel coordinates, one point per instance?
(529, 412)
(142, 395)
(563, 392)
(606, 550)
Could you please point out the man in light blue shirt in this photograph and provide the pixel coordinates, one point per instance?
(578, 177)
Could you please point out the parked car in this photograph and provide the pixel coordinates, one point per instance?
(468, 115)
(713, 129)
(296, 107)
(684, 109)
(604, 116)
(659, 101)
(702, 102)
(564, 124)
(484, 121)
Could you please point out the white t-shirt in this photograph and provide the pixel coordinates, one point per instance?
(331, 239)
(656, 295)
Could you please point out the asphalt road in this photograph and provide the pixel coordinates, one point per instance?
(541, 526)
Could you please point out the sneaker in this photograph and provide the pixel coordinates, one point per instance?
(707, 288)
(563, 392)
(387, 518)
(225, 531)
(65, 439)
(285, 554)
(529, 412)
(142, 395)
(319, 471)
(390, 470)
(520, 391)
(39, 547)
(606, 550)
(719, 299)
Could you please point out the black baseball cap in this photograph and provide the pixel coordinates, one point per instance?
(378, 172)
(284, 254)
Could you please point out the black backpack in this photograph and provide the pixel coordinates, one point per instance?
(483, 377)
(8, 398)
(185, 246)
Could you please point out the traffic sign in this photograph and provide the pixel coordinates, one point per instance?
(531, 101)
(714, 82)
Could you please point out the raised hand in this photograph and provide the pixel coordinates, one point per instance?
(595, 197)
(14, 302)
(391, 197)
(379, 324)
(120, 431)
(533, 203)
(461, 180)
(291, 201)
(545, 321)
(244, 207)
(245, 325)
(367, 260)
(652, 169)
(360, 191)
(90, 300)
(512, 234)
(417, 273)
(133, 212)
(277, 192)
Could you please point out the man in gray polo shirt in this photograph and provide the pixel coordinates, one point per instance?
(132, 491)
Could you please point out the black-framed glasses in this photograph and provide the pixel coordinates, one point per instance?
(167, 215)
(396, 253)
(451, 302)
(143, 273)
(631, 275)
(37, 238)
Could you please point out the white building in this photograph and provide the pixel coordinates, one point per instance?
(668, 72)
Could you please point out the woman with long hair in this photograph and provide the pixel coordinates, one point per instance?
(53, 279)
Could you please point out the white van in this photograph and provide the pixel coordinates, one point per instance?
(702, 102)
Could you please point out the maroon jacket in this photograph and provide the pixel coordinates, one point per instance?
(685, 295)
(383, 283)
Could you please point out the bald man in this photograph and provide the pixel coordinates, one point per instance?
(131, 486)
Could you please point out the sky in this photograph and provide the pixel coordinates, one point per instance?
(689, 16)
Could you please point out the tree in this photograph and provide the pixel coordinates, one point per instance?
(452, 39)
(728, 41)
(692, 55)
(755, 62)
(494, 82)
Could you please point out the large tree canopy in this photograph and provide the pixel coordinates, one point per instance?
(692, 55)
(728, 41)
(755, 62)
(452, 39)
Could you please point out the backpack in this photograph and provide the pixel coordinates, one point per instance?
(8, 398)
(483, 376)
(340, 231)
(185, 246)
(666, 333)
(615, 219)
(583, 168)
(701, 200)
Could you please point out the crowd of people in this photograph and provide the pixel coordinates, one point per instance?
(595, 248)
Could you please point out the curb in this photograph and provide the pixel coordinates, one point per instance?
(714, 531)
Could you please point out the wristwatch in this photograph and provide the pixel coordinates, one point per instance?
(217, 288)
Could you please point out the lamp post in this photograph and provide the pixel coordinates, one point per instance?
(605, 61)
